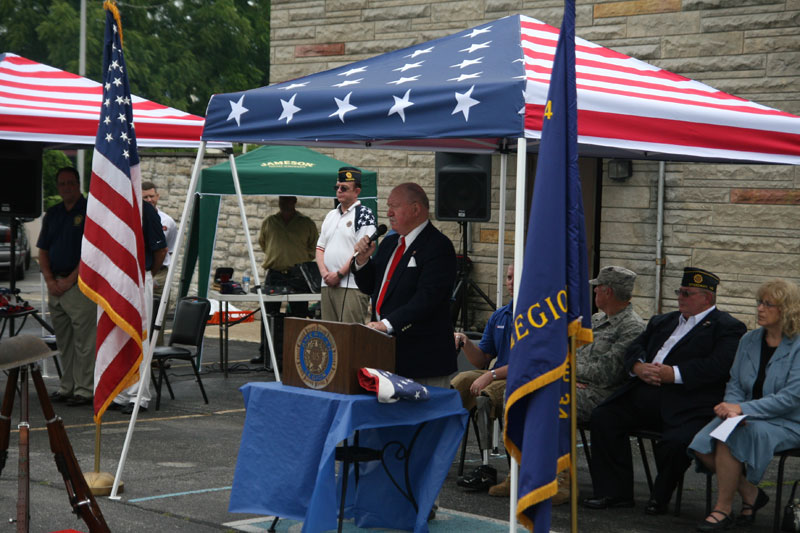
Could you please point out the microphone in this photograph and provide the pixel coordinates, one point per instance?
(379, 231)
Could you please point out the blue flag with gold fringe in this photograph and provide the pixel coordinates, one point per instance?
(553, 300)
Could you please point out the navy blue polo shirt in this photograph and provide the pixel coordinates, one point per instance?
(61, 235)
(153, 233)
(496, 338)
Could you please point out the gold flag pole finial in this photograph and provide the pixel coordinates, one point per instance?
(110, 5)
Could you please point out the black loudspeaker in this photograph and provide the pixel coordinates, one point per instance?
(463, 187)
(21, 183)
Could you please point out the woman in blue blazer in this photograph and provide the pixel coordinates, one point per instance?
(765, 386)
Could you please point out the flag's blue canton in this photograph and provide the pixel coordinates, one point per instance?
(404, 388)
(350, 102)
(365, 218)
(553, 298)
(116, 136)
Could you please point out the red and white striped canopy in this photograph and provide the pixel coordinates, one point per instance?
(479, 89)
(40, 103)
(631, 105)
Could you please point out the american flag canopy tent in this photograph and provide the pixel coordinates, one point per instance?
(477, 89)
(40, 103)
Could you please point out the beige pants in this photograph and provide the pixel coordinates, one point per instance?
(74, 319)
(344, 305)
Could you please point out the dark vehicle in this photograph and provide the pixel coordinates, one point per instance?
(22, 248)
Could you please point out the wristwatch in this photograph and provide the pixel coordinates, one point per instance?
(494, 374)
(341, 276)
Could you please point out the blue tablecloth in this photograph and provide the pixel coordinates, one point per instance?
(286, 463)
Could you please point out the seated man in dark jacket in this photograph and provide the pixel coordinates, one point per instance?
(679, 367)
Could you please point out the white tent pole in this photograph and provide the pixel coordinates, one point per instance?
(501, 229)
(144, 379)
(253, 266)
(519, 253)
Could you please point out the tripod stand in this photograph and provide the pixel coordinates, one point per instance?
(464, 283)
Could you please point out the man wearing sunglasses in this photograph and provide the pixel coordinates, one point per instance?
(341, 229)
(678, 367)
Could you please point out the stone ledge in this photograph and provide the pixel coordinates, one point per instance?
(765, 196)
(635, 7)
(314, 50)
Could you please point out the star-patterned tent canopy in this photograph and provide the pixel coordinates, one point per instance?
(43, 104)
(480, 88)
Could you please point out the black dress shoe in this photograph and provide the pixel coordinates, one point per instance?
(58, 397)
(655, 508)
(78, 400)
(722, 521)
(257, 360)
(114, 406)
(607, 503)
(746, 519)
(128, 409)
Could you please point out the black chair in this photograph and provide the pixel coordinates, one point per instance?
(188, 328)
(794, 452)
(653, 436)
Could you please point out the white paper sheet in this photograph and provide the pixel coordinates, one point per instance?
(723, 430)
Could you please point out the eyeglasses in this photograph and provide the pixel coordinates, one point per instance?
(343, 188)
(685, 293)
(768, 305)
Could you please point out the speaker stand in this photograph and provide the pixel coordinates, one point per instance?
(464, 284)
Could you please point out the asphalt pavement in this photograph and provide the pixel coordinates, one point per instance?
(180, 466)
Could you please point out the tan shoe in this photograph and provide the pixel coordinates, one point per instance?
(502, 489)
(562, 496)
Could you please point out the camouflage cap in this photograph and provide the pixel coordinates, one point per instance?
(615, 277)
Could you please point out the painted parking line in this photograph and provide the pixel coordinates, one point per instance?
(143, 420)
(177, 494)
(447, 521)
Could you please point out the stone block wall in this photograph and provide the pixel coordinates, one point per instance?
(740, 221)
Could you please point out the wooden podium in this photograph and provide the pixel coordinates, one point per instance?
(327, 355)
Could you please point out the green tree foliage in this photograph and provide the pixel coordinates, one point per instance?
(178, 52)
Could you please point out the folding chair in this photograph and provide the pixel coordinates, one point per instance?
(794, 452)
(653, 436)
(188, 328)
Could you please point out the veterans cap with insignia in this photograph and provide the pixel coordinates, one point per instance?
(350, 174)
(616, 277)
(702, 279)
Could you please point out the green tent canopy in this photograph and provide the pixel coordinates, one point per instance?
(267, 170)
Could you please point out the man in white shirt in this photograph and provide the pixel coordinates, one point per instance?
(678, 367)
(341, 301)
(170, 229)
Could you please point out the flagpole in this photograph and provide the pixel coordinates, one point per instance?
(99, 483)
(573, 429)
(253, 266)
(501, 225)
(519, 253)
(159, 316)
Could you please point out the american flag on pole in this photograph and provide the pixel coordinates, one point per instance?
(112, 252)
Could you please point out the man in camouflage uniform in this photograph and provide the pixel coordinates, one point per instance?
(600, 365)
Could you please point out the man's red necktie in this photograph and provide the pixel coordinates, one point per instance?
(398, 253)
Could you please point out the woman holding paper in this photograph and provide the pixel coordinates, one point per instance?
(765, 387)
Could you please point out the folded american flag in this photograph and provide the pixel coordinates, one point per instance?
(391, 387)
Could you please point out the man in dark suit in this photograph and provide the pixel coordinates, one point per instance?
(679, 366)
(409, 281)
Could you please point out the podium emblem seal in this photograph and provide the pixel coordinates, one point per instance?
(315, 356)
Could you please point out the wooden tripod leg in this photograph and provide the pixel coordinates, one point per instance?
(24, 475)
(80, 497)
(5, 415)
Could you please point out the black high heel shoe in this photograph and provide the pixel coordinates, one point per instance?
(761, 500)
